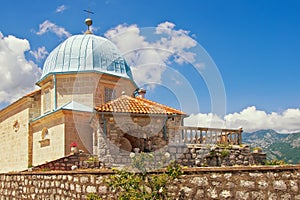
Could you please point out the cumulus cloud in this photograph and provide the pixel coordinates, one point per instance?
(48, 26)
(250, 119)
(18, 75)
(40, 53)
(149, 50)
(60, 9)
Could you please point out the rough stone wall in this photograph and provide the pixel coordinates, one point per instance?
(67, 163)
(241, 183)
(144, 132)
(221, 155)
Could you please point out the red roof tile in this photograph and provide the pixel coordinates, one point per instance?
(127, 104)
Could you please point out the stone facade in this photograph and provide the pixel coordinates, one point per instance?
(14, 138)
(220, 155)
(241, 183)
(116, 135)
(37, 129)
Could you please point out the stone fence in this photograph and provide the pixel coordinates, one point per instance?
(245, 183)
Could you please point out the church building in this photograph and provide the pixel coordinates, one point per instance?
(87, 97)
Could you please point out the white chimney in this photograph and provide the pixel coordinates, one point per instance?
(141, 93)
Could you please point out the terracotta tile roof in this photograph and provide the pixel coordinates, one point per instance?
(127, 104)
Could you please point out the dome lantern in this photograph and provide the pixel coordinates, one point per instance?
(88, 22)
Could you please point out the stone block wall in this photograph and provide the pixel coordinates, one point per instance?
(14, 137)
(241, 183)
(215, 155)
(64, 163)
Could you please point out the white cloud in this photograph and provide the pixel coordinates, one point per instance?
(18, 75)
(60, 9)
(40, 54)
(147, 54)
(48, 26)
(251, 119)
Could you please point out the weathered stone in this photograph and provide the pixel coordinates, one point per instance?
(102, 189)
(91, 189)
(258, 195)
(225, 194)
(84, 179)
(247, 184)
(272, 196)
(216, 183)
(199, 194)
(285, 197)
(230, 185)
(279, 185)
(262, 184)
(187, 191)
(78, 188)
(294, 186)
(297, 197)
(212, 193)
(200, 181)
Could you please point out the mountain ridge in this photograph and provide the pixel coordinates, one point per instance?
(280, 146)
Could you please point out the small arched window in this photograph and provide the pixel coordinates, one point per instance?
(45, 138)
(45, 133)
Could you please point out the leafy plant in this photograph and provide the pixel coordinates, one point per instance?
(93, 196)
(92, 159)
(142, 161)
(275, 162)
(224, 153)
(140, 184)
(174, 170)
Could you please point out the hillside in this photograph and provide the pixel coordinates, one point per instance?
(277, 146)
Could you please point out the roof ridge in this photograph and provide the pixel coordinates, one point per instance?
(148, 100)
(129, 104)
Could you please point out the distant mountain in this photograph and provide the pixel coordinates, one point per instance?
(277, 145)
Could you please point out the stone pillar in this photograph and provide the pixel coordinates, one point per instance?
(101, 150)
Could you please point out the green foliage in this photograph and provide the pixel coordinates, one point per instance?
(142, 162)
(275, 162)
(92, 159)
(224, 153)
(277, 146)
(142, 184)
(174, 170)
(93, 196)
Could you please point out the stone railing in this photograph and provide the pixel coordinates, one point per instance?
(202, 135)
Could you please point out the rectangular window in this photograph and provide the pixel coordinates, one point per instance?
(47, 101)
(110, 94)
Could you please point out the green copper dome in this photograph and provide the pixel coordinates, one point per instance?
(86, 53)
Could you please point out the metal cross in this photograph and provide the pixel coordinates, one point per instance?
(89, 12)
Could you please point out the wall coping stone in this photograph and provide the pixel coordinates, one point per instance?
(192, 170)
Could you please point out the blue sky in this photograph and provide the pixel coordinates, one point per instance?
(255, 45)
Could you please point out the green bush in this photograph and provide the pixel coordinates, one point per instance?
(140, 184)
(275, 162)
(93, 197)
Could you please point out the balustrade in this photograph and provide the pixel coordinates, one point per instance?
(202, 135)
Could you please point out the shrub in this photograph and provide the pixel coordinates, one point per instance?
(275, 162)
(92, 196)
(136, 185)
